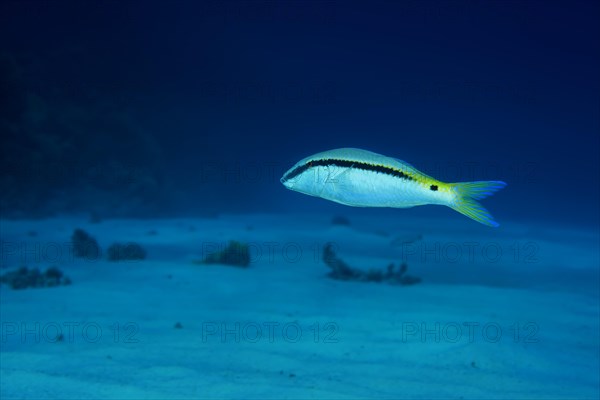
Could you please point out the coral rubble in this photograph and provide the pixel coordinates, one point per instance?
(236, 254)
(342, 271)
(24, 278)
(84, 245)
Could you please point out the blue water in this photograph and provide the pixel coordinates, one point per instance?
(155, 111)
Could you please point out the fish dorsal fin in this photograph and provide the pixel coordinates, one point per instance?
(404, 162)
(412, 169)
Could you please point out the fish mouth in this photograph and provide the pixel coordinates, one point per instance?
(288, 183)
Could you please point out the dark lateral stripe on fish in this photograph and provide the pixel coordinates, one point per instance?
(349, 164)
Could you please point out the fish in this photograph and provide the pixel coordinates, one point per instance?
(361, 178)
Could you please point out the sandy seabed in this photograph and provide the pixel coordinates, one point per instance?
(500, 313)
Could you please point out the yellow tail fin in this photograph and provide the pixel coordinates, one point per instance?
(467, 194)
